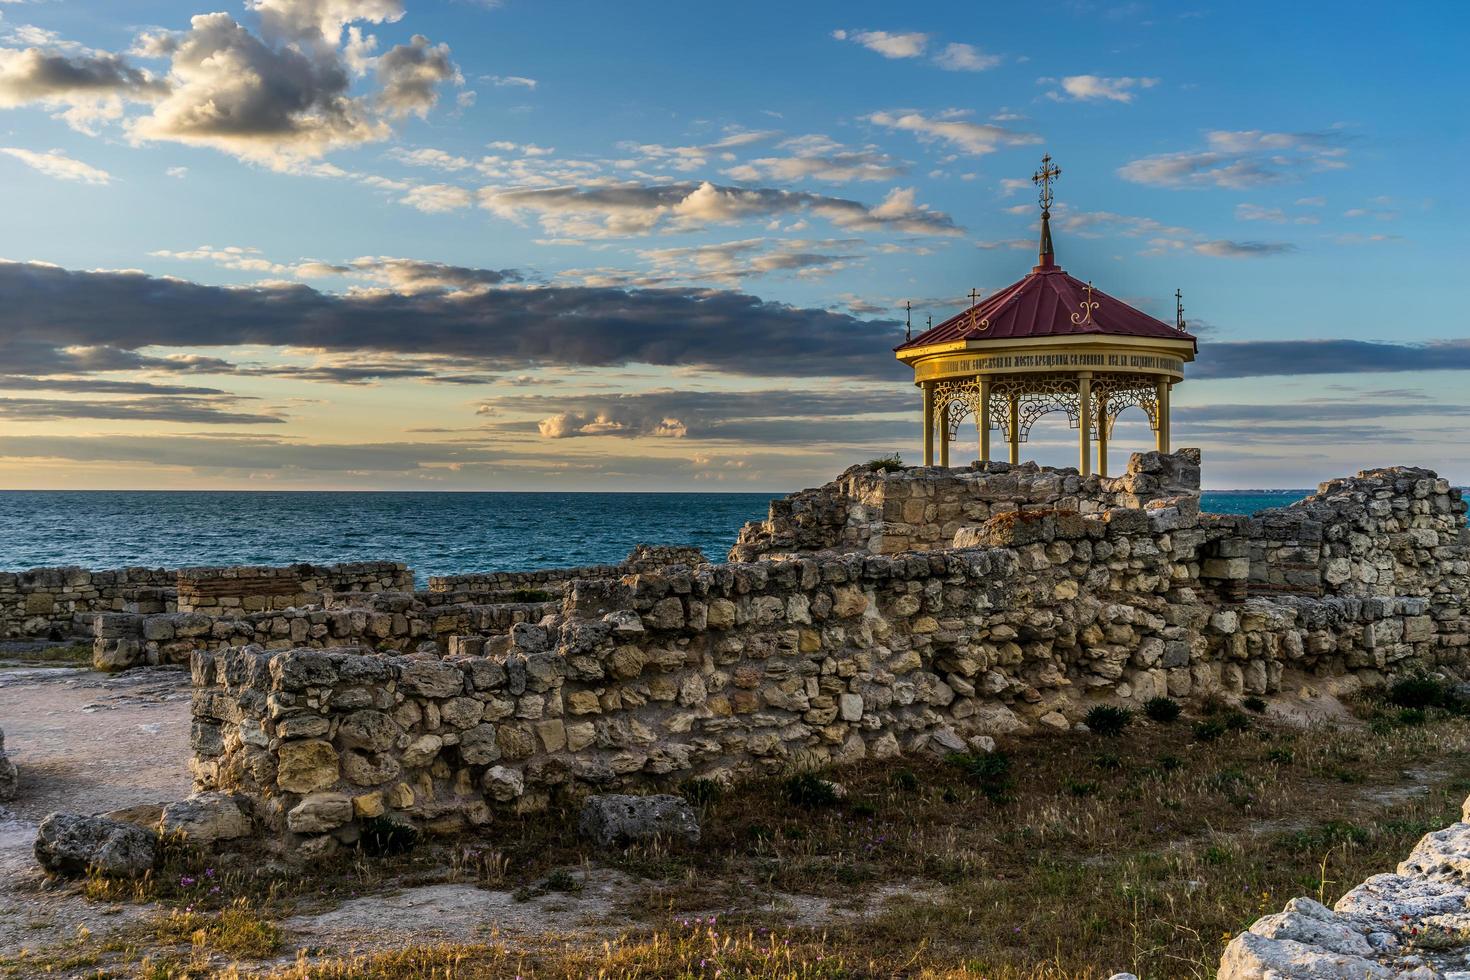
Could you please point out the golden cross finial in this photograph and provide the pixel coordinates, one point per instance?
(908, 320)
(1088, 305)
(1179, 310)
(984, 323)
(1043, 179)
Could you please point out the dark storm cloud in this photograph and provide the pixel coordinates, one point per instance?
(138, 409)
(1255, 358)
(49, 309)
(99, 386)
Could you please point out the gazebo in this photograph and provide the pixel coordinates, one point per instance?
(1046, 343)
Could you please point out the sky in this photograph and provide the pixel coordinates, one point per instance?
(566, 245)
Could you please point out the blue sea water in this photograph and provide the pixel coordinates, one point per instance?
(434, 533)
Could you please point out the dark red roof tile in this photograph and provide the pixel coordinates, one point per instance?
(1043, 305)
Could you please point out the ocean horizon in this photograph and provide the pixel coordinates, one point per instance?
(434, 532)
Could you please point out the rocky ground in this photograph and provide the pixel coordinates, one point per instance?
(933, 863)
(78, 738)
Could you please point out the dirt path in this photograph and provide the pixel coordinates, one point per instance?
(84, 742)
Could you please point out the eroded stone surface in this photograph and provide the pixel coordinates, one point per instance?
(1413, 924)
(72, 844)
(614, 819)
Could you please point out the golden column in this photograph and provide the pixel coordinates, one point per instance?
(1102, 434)
(1161, 395)
(928, 388)
(944, 436)
(984, 419)
(1014, 436)
(1084, 398)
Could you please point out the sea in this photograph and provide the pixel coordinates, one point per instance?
(434, 533)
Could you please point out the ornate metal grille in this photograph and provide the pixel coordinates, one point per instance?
(1123, 392)
(953, 400)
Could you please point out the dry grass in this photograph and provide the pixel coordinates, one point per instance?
(1084, 855)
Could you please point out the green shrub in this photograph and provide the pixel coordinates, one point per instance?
(1253, 703)
(1108, 720)
(905, 780)
(701, 792)
(1236, 721)
(1162, 709)
(1412, 716)
(382, 837)
(1209, 730)
(807, 789)
(1418, 691)
(892, 463)
(991, 772)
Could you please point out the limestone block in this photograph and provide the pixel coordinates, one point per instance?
(319, 813)
(205, 818)
(306, 766)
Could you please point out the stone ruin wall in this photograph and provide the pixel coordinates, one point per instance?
(921, 508)
(645, 680)
(54, 603)
(241, 589)
(371, 605)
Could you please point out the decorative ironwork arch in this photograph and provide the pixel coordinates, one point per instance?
(953, 400)
(1115, 395)
(1035, 397)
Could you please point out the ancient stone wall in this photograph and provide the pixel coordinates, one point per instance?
(921, 508)
(240, 589)
(385, 622)
(1385, 532)
(56, 603)
(643, 557)
(647, 679)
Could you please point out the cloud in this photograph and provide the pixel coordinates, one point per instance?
(235, 93)
(910, 44)
(748, 258)
(438, 198)
(965, 57)
(410, 277)
(1162, 238)
(1254, 212)
(1240, 159)
(57, 164)
(320, 21)
(821, 158)
(53, 325)
(88, 86)
(511, 81)
(1242, 250)
(410, 75)
(429, 157)
(1095, 88)
(172, 408)
(618, 209)
(952, 129)
(768, 415)
(1257, 358)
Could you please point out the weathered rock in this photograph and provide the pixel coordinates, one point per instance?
(319, 813)
(1377, 930)
(73, 845)
(205, 818)
(614, 819)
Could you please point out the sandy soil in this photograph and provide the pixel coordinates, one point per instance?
(86, 743)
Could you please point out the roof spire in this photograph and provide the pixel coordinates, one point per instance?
(1046, 258)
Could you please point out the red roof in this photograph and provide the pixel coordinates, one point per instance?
(1047, 303)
